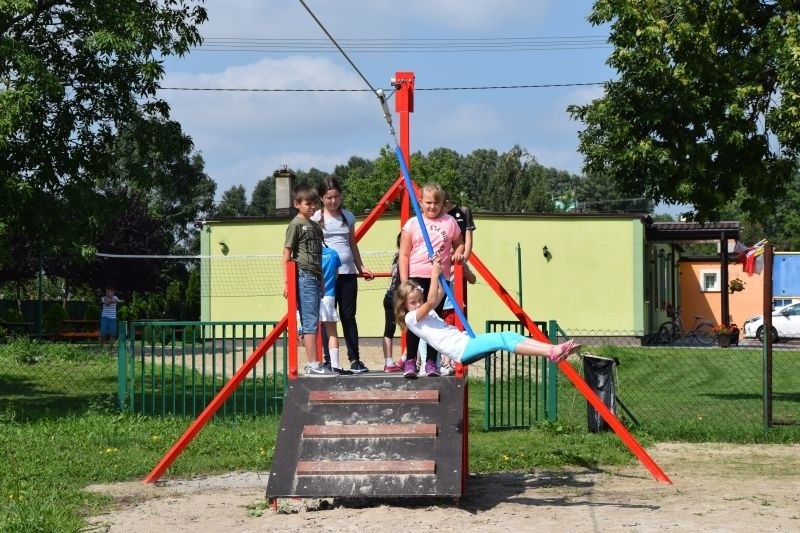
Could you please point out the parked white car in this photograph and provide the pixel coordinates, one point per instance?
(785, 324)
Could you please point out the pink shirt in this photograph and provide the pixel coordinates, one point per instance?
(442, 231)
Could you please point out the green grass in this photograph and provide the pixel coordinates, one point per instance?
(697, 394)
(47, 463)
(60, 430)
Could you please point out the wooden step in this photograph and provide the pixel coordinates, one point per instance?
(369, 430)
(343, 468)
(372, 396)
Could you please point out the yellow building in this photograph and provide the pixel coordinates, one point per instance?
(594, 277)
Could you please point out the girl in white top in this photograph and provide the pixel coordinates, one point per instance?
(418, 315)
(338, 229)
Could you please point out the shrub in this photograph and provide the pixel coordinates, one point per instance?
(12, 315)
(53, 317)
(92, 312)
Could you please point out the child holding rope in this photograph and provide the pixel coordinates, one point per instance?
(445, 237)
(416, 313)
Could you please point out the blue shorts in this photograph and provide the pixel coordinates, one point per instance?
(482, 345)
(108, 326)
(309, 293)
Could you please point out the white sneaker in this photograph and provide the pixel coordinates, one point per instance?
(447, 370)
(320, 371)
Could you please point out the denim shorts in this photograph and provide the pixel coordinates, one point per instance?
(309, 292)
(108, 326)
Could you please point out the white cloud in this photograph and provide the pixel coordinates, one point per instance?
(460, 121)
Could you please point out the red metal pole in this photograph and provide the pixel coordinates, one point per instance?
(217, 402)
(397, 189)
(571, 374)
(291, 299)
(404, 106)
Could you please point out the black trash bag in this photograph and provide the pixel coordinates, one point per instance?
(599, 375)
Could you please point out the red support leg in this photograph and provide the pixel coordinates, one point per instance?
(571, 374)
(217, 402)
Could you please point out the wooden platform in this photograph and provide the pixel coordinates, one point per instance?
(370, 436)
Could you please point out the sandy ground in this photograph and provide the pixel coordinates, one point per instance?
(716, 487)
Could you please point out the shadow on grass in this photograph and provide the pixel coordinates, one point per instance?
(45, 397)
(779, 396)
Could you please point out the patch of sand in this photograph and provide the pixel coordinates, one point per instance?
(716, 487)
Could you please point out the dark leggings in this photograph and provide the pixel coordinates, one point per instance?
(412, 341)
(346, 295)
(389, 324)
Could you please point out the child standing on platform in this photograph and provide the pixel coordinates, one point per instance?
(338, 228)
(390, 324)
(303, 244)
(328, 316)
(417, 314)
(415, 265)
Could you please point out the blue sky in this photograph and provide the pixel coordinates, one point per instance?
(245, 136)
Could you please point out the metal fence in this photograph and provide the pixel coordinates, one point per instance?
(687, 389)
(516, 387)
(42, 380)
(677, 390)
(176, 368)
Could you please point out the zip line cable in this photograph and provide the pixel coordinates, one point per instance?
(337, 46)
(387, 115)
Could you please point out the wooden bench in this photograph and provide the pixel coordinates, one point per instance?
(17, 328)
(78, 330)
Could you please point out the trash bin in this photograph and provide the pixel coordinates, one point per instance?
(599, 375)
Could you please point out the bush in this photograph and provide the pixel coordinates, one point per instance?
(92, 312)
(53, 317)
(12, 315)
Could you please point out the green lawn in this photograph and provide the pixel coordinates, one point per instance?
(60, 429)
(697, 394)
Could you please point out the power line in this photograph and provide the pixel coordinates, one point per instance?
(475, 88)
(425, 45)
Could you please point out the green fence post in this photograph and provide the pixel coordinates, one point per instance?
(551, 398)
(122, 366)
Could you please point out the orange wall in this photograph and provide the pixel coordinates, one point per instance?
(742, 305)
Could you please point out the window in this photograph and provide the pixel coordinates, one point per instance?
(709, 280)
(781, 302)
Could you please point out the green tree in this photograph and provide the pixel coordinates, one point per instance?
(706, 101)
(365, 186)
(233, 203)
(154, 159)
(71, 74)
(262, 202)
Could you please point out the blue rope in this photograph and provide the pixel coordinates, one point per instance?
(443, 282)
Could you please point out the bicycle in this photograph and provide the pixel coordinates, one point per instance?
(671, 331)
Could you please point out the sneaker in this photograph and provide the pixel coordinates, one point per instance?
(327, 364)
(430, 369)
(410, 369)
(358, 367)
(392, 368)
(319, 372)
(447, 370)
(343, 371)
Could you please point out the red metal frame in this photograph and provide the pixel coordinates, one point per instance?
(217, 402)
(404, 105)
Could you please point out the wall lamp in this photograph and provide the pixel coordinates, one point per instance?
(546, 253)
(223, 247)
